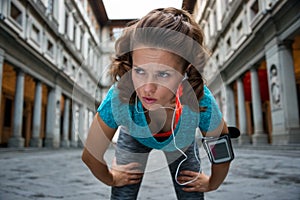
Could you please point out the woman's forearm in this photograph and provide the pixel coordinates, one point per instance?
(96, 144)
(97, 167)
(218, 175)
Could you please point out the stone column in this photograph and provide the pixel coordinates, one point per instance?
(66, 122)
(50, 123)
(81, 123)
(259, 137)
(283, 92)
(36, 141)
(75, 119)
(17, 140)
(230, 111)
(244, 138)
(85, 124)
(53, 118)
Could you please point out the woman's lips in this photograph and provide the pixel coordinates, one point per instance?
(149, 100)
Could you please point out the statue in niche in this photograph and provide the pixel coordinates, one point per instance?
(275, 86)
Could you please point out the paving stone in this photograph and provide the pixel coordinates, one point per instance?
(264, 173)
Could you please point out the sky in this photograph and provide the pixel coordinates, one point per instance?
(135, 9)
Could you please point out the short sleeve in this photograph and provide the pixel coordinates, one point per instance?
(105, 109)
(211, 118)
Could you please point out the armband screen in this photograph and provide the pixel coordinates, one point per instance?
(219, 150)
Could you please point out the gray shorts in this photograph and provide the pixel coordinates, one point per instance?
(130, 150)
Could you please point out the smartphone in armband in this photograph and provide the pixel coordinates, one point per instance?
(218, 149)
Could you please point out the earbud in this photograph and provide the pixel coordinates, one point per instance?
(185, 77)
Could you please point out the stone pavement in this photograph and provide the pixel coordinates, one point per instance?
(257, 173)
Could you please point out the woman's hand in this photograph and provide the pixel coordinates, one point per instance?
(201, 184)
(125, 174)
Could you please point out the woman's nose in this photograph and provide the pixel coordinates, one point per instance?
(150, 87)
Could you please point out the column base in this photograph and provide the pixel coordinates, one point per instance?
(292, 136)
(259, 139)
(65, 143)
(80, 144)
(16, 142)
(244, 139)
(36, 142)
(74, 144)
(49, 142)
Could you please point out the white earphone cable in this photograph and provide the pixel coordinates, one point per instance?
(184, 154)
(174, 140)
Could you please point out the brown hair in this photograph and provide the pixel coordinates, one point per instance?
(173, 30)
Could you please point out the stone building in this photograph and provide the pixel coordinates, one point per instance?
(52, 64)
(255, 52)
(54, 56)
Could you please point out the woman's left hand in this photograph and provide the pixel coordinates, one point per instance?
(201, 184)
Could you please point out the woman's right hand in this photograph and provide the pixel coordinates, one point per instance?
(125, 174)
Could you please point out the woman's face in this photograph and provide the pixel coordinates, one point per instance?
(156, 75)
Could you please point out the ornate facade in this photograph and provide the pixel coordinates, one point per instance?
(52, 64)
(255, 53)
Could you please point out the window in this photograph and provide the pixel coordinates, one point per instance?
(80, 39)
(50, 48)
(80, 77)
(73, 70)
(65, 63)
(74, 31)
(239, 30)
(66, 22)
(217, 59)
(35, 34)
(254, 9)
(228, 48)
(228, 44)
(16, 14)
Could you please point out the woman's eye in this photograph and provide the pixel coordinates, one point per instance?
(163, 74)
(139, 71)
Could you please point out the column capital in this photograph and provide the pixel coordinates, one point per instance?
(275, 41)
(287, 43)
(253, 70)
(19, 71)
(240, 79)
(36, 80)
(272, 46)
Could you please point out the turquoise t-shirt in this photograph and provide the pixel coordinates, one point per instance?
(115, 113)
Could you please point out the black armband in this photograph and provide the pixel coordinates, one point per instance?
(218, 149)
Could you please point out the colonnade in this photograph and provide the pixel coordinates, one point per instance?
(65, 125)
(284, 108)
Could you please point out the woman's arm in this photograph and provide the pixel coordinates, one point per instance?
(218, 175)
(206, 183)
(219, 171)
(97, 142)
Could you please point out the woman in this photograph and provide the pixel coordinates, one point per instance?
(159, 99)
